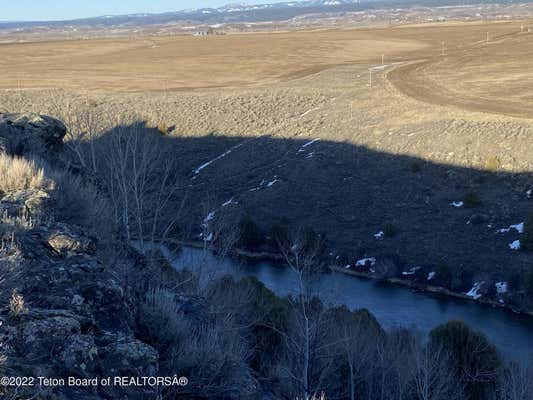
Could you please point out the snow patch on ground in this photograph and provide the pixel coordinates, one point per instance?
(501, 287)
(265, 184)
(529, 193)
(379, 235)
(258, 187)
(412, 271)
(474, 292)
(518, 227)
(431, 275)
(457, 204)
(309, 111)
(307, 145)
(229, 202)
(207, 164)
(210, 217)
(515, 245)
(366, 261)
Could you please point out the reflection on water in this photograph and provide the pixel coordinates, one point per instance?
(392, 305)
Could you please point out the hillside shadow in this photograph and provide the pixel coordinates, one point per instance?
(350, 193)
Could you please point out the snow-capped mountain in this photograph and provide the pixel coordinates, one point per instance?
(237, 13)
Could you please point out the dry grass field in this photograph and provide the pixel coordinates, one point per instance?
(472, 72)
(440, 63)
(185, 62)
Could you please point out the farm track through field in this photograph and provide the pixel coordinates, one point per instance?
(490, 77)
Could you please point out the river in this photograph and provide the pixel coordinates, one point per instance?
(392, 305)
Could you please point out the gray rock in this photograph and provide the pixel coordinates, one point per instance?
(29, 204)
(30, 133)
(47, 334)
(128, 355)
(69, 242)
(80, 355)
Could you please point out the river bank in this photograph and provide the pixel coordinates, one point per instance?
(431, 289)
(277, 258)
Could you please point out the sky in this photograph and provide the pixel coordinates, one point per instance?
(41, 10)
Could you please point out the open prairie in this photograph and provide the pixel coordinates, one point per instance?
(480, 66)
(184, 62)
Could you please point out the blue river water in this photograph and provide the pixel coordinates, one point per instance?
(392, 305)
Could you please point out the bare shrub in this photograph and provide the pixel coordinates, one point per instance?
(161, 318)
(527, 241)
(79, 203)
(15, 101)
(215, 360)
(17, 305)
(213, 357)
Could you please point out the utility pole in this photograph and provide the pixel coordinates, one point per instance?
(487, 37)
(443, 50)
(370, 77)
(383, 59)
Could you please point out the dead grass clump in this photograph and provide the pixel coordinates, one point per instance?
(17, 305)
(493, 164)
(163, 128)
(19, 174)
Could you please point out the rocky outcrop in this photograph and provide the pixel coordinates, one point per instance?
(63, 311)
(30, 133)
(68, 315)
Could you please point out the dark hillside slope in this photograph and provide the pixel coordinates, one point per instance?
(351, 193)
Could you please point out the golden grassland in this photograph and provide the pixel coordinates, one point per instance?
(184, 62)
(438, 63)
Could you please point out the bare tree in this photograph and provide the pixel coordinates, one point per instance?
(220, 230)
(309, 355)
(139, 176)
(357, 340)
(433, 377)
(516, 382)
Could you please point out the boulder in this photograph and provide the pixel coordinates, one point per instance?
(129, 357)
(29, 204)
(30, 133)
(68, 241)
(44, 335)
(80, 355)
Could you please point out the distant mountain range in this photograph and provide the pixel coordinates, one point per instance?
(237, 13)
